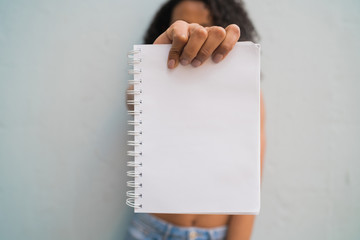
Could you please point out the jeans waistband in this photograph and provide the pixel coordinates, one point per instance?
(168, 229)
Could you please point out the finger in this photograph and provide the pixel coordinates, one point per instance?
(178, 34)
(165, 37)
(162, 39)
(198, 35)
(216, 36)
(232, 36)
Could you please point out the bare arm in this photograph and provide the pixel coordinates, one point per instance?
(130, 97)
(240, 226)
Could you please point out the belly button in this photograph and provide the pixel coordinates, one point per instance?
(193, 235)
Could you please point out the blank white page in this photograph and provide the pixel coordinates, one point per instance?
(200, 133)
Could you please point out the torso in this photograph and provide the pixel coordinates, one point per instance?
(195, 220)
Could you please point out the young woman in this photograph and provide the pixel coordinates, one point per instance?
(198, 30)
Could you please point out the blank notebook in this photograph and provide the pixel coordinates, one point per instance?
(195, 133)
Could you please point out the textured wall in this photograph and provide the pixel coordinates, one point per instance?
(63, 117)
(311, 55)
(63, 75)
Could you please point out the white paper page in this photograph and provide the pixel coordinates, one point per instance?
(200, 133)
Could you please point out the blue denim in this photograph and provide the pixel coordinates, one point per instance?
(148, 227)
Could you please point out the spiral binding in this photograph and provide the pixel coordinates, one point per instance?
(136, 143)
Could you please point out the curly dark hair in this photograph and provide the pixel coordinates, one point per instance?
(223, 12)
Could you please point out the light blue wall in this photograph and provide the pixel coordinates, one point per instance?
(63, 75)
(311, 56)
(63, 117)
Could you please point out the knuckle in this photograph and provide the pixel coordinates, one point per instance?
(194, 25)
(179, 22)
(173, 30)
(180, 38)
(201, 32)
(218, 32)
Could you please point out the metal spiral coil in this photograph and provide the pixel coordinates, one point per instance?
(133, 184)
(136, 122)
(134, 112)
(133, 81)
(134, 133)
(133, 173)
(134, 61)
(134, 143)
(134, 91)
(134, 102)
(133, 194)
(134, 164)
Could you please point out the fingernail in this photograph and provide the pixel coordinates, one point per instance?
(171, 63)
(217, 58)
(184, 62)
(195, 63)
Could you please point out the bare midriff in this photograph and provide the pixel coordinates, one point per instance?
(194, 220)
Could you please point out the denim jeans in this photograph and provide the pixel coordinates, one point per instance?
(148, 227)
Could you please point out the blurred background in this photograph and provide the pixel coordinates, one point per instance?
(63, 76)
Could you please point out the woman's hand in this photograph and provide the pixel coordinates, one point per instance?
(193, 43)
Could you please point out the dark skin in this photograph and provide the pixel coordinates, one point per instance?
(194, 40)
